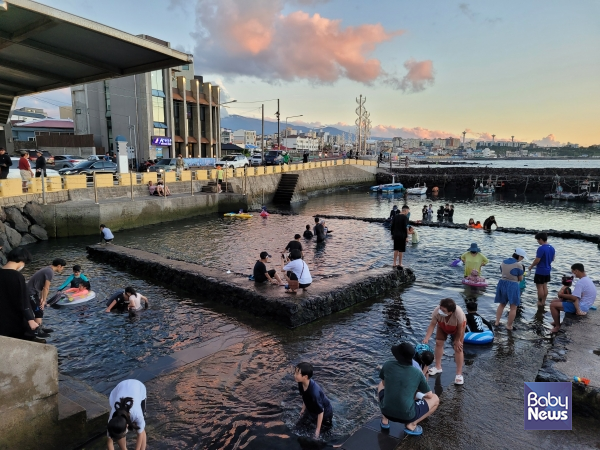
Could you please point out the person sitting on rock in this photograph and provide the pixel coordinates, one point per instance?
(297, 273)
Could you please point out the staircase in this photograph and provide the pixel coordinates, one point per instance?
(286, 188)
(212, 187)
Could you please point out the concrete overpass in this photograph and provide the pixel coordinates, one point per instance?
(42, 48)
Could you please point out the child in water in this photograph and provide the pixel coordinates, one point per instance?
(263, 212)
(307, 233)
(75, 279)
(79, 292)
(475, 278)
(316, 407)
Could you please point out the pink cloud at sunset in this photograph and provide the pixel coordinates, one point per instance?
(254, 38)
(390, 131)
(548, 141)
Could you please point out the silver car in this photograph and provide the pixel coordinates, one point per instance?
(167, 165)
(234, 161)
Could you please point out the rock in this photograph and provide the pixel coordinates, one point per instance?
(16, 219)
(2, 228)
(2, 215)
(38, 232)
(28, 239)
(14, 237)
(34, 213)
(5, 244)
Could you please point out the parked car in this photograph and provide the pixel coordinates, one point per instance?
(167, 165)
(234, 161)
(14, 171)
(274, 157)
(95, 158)
(33, 157)
(62, 161)
(256, 159)
(89, 167)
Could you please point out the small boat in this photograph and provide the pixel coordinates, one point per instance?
(593, 198)
(238, 215)
(417, 190)
(390, 187)
(484, 191)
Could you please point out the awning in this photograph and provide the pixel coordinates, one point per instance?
(178, 139)
(192, 140)
(43, 48)
(250, 146)
(176, 95)
(204, 140)
(202, 100)
(189, 97)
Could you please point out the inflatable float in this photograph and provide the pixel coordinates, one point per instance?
(66, 301)
(238, 215)
(468, 282)
(485, 337)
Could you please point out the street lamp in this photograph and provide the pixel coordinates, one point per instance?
(286, 128)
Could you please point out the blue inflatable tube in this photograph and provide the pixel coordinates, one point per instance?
(485, 337)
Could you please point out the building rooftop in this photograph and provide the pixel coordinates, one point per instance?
(43, 48)
(47, 123)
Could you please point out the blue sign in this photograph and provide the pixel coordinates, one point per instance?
(548, 406)
(162, 141)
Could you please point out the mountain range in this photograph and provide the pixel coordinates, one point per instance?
(235, 122)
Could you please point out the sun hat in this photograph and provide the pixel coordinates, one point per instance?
(404, 353)
(521, 252)
(474, 248)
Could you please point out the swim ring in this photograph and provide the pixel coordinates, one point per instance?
(485, 337)
(238, 215)
(470, 283)
(64, 300)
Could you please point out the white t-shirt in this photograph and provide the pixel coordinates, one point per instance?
(300, 268)
(585, 290)
(137, 301)
(137, 391)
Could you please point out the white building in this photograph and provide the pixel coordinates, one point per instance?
(244, 137)
(226, 136)
(301, 143)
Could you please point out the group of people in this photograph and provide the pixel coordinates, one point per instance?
(159, 189)
(487, 224)
(444, 213)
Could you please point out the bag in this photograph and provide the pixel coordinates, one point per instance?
(295, 284)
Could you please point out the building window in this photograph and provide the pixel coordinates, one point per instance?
(185, 67)
(190, 120)
(158, 109)
(157, 81)
(177, 117)
(160, 132)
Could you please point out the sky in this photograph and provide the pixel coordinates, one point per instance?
(433, 68)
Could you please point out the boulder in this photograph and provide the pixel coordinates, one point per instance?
(16, 219)
(38, 232)
(28, 239)
(34, 213)
(2, 215)
(2, 228)
(6, 247)
(14, 237)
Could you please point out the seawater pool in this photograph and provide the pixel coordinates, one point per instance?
(245, 395)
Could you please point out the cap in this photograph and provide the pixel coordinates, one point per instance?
(521, 252)
(264, 255)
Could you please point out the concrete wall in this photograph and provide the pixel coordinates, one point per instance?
(28, 393)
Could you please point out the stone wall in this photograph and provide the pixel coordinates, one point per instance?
(28, 393)
(20, 226)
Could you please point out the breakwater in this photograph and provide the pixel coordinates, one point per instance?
(324, 297)
(461, 180)
(571, 234)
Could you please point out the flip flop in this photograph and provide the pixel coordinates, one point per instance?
(434, 371)
(384, 427)
(418, 431)
(459, 379)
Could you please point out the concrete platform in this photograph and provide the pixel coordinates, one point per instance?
(576, 353)
(324, 296)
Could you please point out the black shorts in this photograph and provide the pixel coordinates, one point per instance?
(541, 279)
(34, 300)
(304, 286)
(292, 276)
(421, 408)
(400, 244)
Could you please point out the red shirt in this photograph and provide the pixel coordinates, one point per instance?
(24, 164)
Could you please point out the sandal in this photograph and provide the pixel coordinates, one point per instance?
(581, 313)
(434, 371)
(459, 379)
(418, 431)
(384, 426)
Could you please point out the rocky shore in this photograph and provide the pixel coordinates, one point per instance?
(20, 226)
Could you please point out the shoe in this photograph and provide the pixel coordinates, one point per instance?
(47, 330)
(40, 333)
(434, 371)
(459, 379)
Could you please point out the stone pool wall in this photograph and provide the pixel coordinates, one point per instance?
(324, 296)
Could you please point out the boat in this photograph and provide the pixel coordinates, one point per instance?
(390, 187)
(238, 215)
(484, 191)
(417, 190)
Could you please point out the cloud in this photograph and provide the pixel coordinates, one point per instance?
(390, 131)
(548, 141)
(420, 75)
(254, 38)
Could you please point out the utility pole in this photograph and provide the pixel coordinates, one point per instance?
(278, 128)
(262, 144)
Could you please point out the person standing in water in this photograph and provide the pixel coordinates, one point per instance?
(544, 258)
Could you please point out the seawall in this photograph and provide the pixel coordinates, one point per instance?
(514, 181)
(323, 297)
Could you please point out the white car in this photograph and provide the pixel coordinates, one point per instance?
(256, 159)
(235, 161)
(14, 171)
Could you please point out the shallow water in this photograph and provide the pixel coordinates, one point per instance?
(246, 394)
